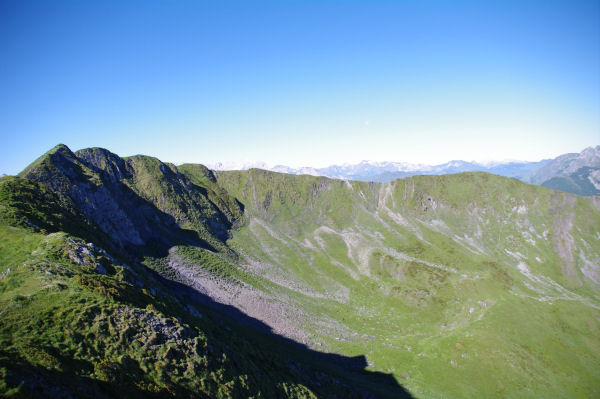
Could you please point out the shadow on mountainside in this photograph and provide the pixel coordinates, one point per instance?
(276, 362)
(134, 227)
(315, 365)
(109, 194)
(35, 381)
(328, 375)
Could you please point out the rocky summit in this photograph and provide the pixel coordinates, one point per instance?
(130, 277)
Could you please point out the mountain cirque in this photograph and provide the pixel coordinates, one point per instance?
(127, 277)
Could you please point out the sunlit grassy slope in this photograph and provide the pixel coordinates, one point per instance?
(458, 286)
(76, 322)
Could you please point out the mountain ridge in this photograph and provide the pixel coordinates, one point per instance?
(383, 171)
(160, 323)
(433, 281)
(536, 172)
(566, 164)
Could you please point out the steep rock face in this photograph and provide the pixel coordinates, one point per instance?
(102, 160)
(102, 203)
(566, 164)
(135, 201)
(584, 181)
(27, 203)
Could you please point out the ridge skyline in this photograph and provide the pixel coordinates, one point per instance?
(249, 163)
(367, 170)
(388, 170)
(258, 163)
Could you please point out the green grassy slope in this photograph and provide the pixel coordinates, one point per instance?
(460, 285)
(75, 322)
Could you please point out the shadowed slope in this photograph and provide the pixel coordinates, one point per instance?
(78, 321)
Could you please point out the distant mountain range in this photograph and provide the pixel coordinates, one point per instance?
(564, 172)
(566, 164)
(388, 171)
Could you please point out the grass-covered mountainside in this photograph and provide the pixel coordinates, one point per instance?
(124, 277)
(83, 313)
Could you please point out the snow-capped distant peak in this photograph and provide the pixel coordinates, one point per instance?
(367, 170)
(243, 165)
(492, 163)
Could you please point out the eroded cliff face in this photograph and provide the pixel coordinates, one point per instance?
(137, 201)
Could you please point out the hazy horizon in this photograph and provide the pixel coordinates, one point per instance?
(307, 84)
(228, 164)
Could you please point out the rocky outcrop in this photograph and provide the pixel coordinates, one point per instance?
(566, 164)
(138, 201)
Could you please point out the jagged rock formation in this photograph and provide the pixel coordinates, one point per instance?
(136, 201)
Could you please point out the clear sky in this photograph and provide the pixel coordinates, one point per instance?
(300, 83)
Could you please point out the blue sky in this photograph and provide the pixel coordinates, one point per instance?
(301, 83)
